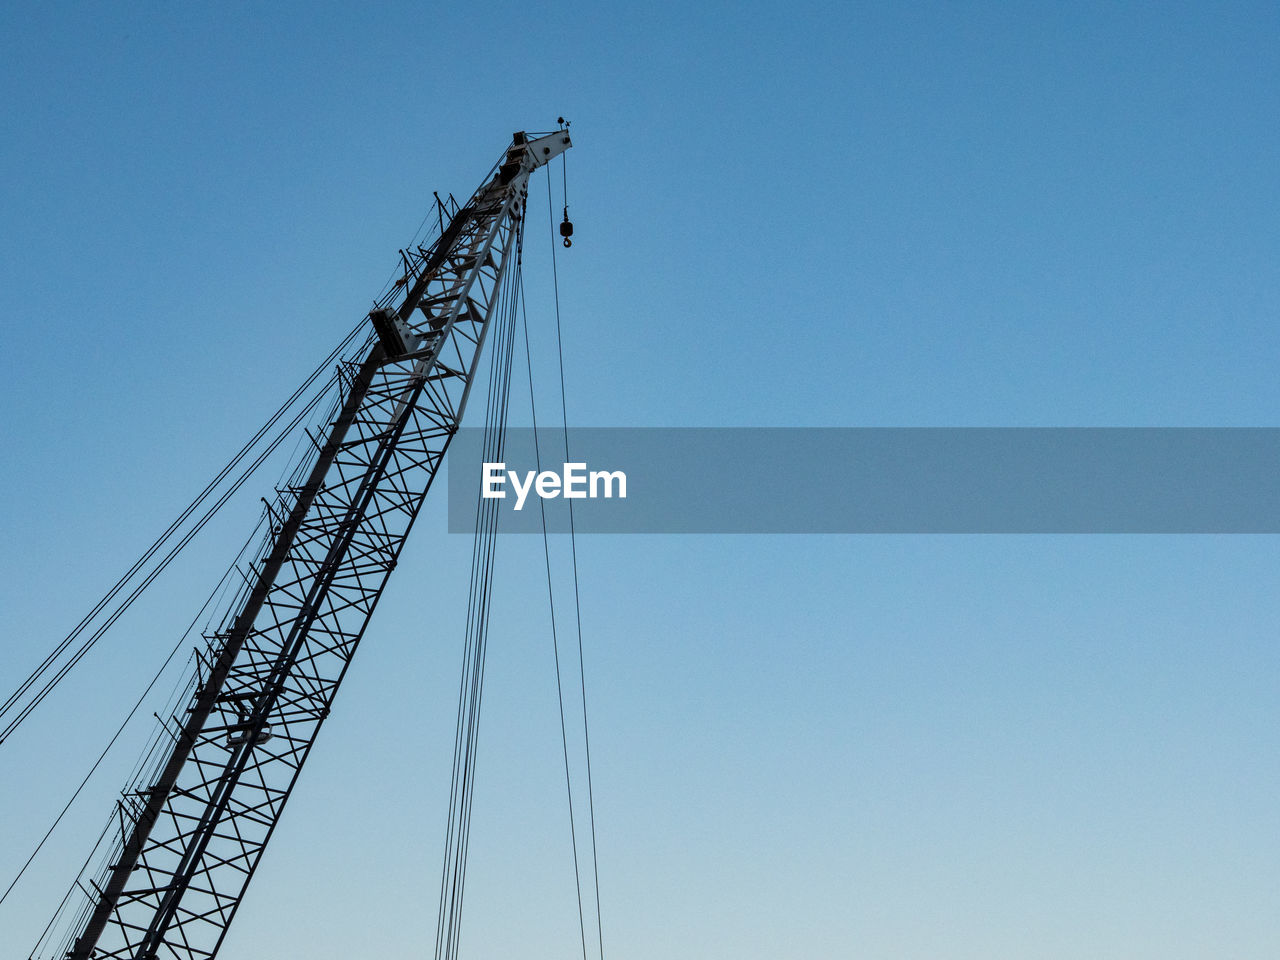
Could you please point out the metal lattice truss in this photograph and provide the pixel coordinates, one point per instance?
(190, 840)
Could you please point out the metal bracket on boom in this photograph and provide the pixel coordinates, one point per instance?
(541, 151)
(396, 336)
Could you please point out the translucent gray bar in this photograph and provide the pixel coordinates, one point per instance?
(892, 480)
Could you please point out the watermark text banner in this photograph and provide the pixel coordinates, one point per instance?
(875, 480)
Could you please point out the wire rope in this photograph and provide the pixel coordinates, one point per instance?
(471, 683)
(555, 642)
(23, 710)
(124, 723)
(573, 544)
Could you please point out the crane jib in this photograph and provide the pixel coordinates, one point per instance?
(190, 840)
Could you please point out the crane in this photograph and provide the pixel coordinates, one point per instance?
(184, 845)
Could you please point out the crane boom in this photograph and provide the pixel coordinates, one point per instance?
(189, 840)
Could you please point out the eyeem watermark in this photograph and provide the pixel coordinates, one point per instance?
(575, 482)
(927, 480)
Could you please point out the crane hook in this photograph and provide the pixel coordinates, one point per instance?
(566, 228)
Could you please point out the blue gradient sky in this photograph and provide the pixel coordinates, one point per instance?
(855, 214)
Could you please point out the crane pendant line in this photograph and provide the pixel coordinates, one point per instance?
(191, 835)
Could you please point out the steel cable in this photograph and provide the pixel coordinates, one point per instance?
(555, 642)
(124, 723)
(573, 545)
(475, 645)
(14, 700)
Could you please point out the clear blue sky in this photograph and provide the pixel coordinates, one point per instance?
(852, 214)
